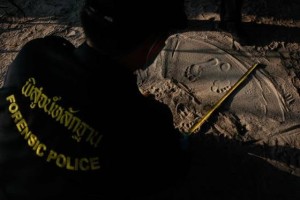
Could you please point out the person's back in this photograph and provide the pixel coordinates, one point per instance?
(51, 142)
(63, 131)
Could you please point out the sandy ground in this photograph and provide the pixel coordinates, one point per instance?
(22, 21)
(250, 147)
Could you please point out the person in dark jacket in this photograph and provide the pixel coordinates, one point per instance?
(73, 123)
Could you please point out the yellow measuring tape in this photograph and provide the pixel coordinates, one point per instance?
(210, 112)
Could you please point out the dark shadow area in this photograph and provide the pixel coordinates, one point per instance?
(255, 34)
(63, 12)
(9, 51)
(277, 9)
(226, 169)
(262, 34)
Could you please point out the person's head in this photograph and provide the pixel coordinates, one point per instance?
(116, 27)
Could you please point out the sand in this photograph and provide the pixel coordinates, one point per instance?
(196, 69)
(22, 21)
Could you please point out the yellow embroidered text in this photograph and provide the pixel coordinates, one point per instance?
(23, 129)
(40, 149)
(82, 164)
(65, 117)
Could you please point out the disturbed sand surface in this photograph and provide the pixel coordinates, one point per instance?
(198, 66)
(250, 147)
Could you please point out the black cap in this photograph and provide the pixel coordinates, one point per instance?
(119, 25)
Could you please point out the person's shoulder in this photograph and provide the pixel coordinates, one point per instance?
(56, 43)
(36, 53)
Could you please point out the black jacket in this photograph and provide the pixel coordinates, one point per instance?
(73, 124)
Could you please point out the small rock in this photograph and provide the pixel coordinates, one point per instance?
(72, 33)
